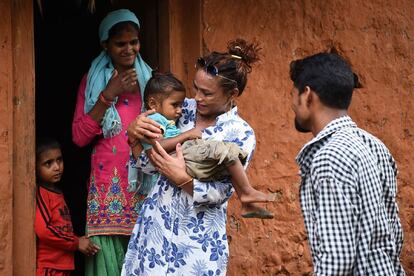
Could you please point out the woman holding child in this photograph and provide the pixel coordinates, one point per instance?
(181, 229)
(109, 98)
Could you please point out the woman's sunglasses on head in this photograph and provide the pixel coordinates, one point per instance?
(211, 69)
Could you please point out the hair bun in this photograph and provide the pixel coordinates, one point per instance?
(248, 52)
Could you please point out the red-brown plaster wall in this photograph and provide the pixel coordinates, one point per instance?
(376, 36)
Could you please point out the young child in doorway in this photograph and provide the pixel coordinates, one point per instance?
(205, 159)
(56, 242)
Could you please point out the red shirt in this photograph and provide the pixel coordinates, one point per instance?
(56, 241)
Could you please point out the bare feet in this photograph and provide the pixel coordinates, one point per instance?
(251, 210)
(256, 196)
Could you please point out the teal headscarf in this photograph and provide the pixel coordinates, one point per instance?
(101, 72)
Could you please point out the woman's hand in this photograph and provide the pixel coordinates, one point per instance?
(171, 167)
(121, 82)
(143, 128)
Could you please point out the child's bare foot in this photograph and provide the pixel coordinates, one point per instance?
(251, 210)
(256, 196)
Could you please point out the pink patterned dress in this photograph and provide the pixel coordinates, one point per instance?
(112, 209)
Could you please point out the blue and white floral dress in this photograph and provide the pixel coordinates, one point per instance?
(179, 234)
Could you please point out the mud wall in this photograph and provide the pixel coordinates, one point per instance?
(376, 36)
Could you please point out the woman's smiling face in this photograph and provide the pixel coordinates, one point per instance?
(211, 99)
(123, 48)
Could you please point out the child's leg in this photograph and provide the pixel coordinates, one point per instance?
(247, 194)
(241, 184)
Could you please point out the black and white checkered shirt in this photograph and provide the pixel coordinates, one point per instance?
(348, 199)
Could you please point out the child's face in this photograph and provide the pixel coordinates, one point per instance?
(49, 166)
(171, 106)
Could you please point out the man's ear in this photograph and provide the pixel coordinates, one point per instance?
(308, 95)
(153, 103)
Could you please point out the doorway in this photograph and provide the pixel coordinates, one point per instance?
(66, 42)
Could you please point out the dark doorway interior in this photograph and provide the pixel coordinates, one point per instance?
(66, 41)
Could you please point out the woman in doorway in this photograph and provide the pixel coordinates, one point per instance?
(181, 229)
(109, 98)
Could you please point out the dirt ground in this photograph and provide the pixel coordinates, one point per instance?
(376, 37)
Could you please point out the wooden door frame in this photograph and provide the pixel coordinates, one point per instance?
(17, 101)
(24, 179)
(6, 141)
(180, 38)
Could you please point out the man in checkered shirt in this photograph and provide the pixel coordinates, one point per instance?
(348, 189)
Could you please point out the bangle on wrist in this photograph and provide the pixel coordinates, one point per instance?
(185, 182)
(104, 100)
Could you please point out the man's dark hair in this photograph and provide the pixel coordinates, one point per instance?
(160, 86)
(46, 143)
(329, 75)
